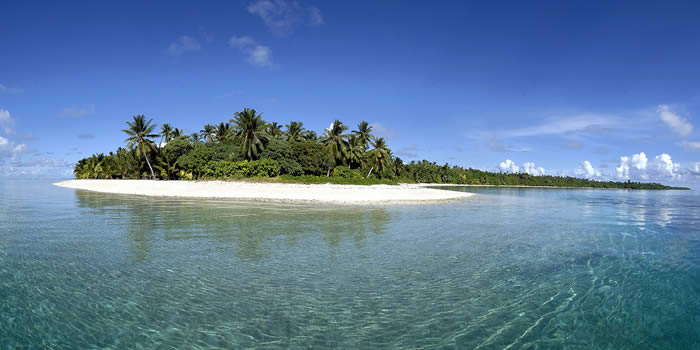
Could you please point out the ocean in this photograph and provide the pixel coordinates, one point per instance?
(516, 268)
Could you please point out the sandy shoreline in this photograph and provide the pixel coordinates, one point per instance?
(342, 194)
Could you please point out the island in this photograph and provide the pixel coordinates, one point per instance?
(248, 157)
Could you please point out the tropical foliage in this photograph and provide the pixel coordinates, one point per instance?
(140, 133)
(249, 147)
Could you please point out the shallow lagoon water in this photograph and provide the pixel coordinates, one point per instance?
(516, 268)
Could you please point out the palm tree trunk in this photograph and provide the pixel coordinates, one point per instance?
(329, 173)
(370, 172)
(153, 175)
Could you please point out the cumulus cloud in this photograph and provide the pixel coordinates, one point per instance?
(183, 44)
(678, 124)
(634, 165)
(78, 112)
(7, 124)
(258, 55)
(638, 167)
(691, 146)
(380, 130)
(663, 167)
(280, 16)
(8, 90)
(508, 166)
(531, 169)
(694, 169)
(587, 170)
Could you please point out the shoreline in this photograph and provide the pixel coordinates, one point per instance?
(272, 192)
(553, 187)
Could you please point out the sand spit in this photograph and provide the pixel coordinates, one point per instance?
(326, 193)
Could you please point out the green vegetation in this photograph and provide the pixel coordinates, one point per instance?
(248, 147)
(426, 172)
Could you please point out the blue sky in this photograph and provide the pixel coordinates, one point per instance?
(606, 90)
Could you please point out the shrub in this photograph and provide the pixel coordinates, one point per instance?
(281, 152)
(311, 156)
(196, 159)
(343, 171)
(223, 169)
(177, 147)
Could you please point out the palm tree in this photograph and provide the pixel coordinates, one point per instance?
(166, 165)
(309, 135)
(363, 133)
(125, 162)
(274, 129)
(223, 132)
(140, 132)
(294, 131)
(356, 152)
(335, 142)
(208, 132)
(195, 137)
(250, 128)
(166, 133)
(177, 133)
(380, 155)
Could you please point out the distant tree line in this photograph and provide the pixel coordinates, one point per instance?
(247, 146)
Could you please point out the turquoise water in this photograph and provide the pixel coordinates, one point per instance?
(518, 268)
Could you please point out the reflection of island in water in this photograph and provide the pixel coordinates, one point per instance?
(246, 225)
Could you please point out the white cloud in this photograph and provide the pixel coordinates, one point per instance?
(572, 145)
(183, 44)
(632, 166)
(7, 124)
(587, 123)
(678, 124)
(380, 130)
(315, 17)
(695, 169)
(662, 167)
(531, 169)
(86, 136)
(508, 166)
(258, 55)
(8, 90)
(692, 146)
(409, 151)
(78, 112)
(497, 146)
(9, 149)
(39, 167)
(638, 168)
(241, 42)
(280, 16)
(587, 170)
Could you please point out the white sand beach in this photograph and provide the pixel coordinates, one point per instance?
(327, 193)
